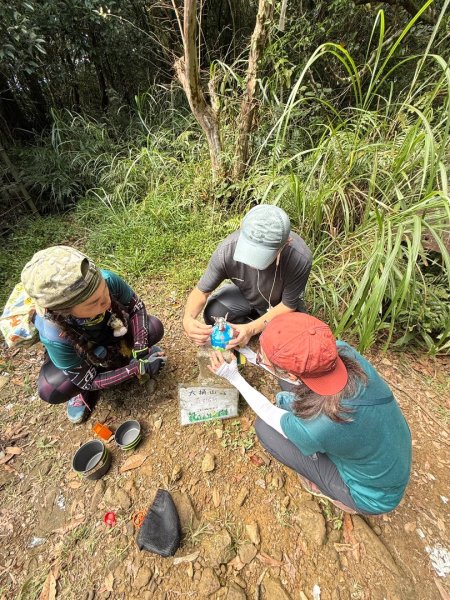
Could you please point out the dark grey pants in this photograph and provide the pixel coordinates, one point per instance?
(229, 299)
(318, 468)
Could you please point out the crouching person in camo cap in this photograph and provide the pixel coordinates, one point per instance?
(95, 329)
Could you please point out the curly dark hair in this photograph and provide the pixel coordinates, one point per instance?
(309, 404)
(79, 340)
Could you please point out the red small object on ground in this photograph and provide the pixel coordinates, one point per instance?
(256, 460)
(137, 518)
(110, 519)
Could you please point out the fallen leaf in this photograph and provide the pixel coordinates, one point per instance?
(290, 569)
(185, 559)
(14, 580)
(261, 577)
(256, 460)
(6, 458)
(71, 525)
(216, 498)
(19, 436)
(133, 462)
(157, 424)
(16, 429)
(246, 423)
(77, 506)
(176, 473)
(410, 526)
(10, 469)
(356, 552)
(109, 583)
(13, 450)
(347, 528)
(236, 563)
(268, 560)
(441, 525)
(49, 589)
(74, 485)
(190, 571)
(342, 547)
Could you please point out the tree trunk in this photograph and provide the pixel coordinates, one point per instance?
(76, 102)
(187, 70)
(95, 56)
(248, 104)
(427, 17)
(12, 117)
(38, 101)
(282, 21)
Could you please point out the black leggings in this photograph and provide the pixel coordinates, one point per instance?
(317, 468)
(229, 300)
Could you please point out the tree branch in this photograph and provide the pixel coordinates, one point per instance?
(282, 21)
(177, 14)
(187, 70)
(248, 104)
(408, 5)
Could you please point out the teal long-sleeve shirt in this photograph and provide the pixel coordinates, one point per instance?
(372, 452)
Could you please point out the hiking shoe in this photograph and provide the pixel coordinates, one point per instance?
(312, 489)
(284, 400)
(77, 409)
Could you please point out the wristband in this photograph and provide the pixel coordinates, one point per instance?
(141, 353)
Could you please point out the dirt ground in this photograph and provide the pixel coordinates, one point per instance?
(249, 529)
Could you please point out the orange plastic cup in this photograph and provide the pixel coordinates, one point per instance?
(102, 431)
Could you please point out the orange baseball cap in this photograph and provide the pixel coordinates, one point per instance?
(306, 347)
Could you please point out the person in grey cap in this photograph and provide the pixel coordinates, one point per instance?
(95, 329)
(268, 266)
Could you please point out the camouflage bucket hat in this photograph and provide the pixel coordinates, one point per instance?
(60, 277)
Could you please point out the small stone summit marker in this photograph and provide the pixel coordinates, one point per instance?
(211, 398)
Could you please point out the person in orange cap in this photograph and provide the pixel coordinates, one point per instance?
(341, 429)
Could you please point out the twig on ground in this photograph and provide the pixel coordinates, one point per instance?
(427, 412)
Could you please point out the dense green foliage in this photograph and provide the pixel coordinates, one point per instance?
(93, 57)
(356, 152)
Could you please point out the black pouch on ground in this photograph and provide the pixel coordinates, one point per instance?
(161, 531)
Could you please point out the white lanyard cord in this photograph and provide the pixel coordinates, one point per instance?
(273, 285)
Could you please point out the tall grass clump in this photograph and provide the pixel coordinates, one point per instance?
(63, 164)
(22, 242)
(370, 195)
(153, 213)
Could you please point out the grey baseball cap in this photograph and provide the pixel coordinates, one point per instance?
(264, 230)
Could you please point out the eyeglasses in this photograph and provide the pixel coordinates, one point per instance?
(278, 373)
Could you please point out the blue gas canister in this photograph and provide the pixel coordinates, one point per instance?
(100, 352)
(221, 333)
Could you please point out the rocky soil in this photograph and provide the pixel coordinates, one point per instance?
(249, 530)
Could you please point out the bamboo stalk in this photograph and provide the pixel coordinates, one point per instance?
(23, 190)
